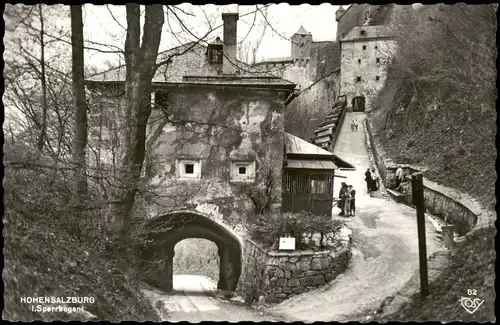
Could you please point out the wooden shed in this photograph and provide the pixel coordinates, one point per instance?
(308, 177)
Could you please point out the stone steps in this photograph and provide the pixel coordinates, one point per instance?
(324, 131)
(322, 139)
(328, 122)
(327, 127)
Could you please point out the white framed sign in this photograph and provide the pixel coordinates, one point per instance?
(287, 243)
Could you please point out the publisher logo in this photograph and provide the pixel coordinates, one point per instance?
(471, 304)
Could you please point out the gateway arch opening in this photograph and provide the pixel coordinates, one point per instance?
(167, 231)
(196, 265)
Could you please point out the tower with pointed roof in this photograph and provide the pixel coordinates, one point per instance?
(301, 45)
(339, 13)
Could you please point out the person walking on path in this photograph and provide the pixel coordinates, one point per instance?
(353, 125)
(352, 192)
(356, 124)
(399, 176)
(368, 180)
(375, 180)
(342, 198)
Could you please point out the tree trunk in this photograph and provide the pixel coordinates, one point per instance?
(80, 140)
(43, 124)
(140, 63)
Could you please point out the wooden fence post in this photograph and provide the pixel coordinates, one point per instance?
(418, 201)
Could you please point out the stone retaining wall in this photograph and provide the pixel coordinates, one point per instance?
(454, 207)
(289, 274)
(338, 127)
(278, 275)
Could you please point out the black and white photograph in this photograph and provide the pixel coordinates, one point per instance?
(258, 162)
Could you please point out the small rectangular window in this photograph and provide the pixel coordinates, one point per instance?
(376, 47)
(358, 79)
(319, 187)
(378, 60)
(363, 32)
(377, 78)
(217, 56)
(359, 60)
(214, 52)
(161, 100)
(189, 168)
(364, 47)
(242, 171)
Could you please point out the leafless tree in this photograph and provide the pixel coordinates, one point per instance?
(140, 58)
(80, 140)
(43, 125)
(36, 80)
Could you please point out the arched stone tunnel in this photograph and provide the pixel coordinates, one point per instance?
(165, 231)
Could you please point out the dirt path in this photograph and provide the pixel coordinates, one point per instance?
(385, 254)
(194, 301)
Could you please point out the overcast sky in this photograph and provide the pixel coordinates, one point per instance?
(285, 19)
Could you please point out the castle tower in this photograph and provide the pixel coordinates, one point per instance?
(301, 44)
(339, 13)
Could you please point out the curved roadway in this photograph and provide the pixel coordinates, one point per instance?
(385, 257)
(385, 254)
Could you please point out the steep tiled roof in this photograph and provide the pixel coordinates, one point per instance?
(371, 32)
(302, 31)
(274, 60)
(237, 80)
(187, 59)
(298, 146)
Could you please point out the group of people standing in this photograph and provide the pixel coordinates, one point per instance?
(347, 200)
(372, 180)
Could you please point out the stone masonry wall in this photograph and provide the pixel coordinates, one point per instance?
(367, 68)
(455, 208)
(217, 127)
(355, 15)
(279, 275)
(289, 274)
(310, 108)
(251, 282)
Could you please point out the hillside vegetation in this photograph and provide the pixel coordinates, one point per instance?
(468, 270)
(437, 110)
(54, 248)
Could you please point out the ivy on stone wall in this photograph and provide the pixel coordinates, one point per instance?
(268, 228)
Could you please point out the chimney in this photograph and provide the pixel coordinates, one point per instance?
(230, 42)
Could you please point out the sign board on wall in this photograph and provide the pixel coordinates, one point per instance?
(287, 243)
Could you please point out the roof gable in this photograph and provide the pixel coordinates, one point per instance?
(297, 146)
(302, 31)
(186, 59)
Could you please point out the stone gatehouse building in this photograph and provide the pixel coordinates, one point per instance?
(215, 148)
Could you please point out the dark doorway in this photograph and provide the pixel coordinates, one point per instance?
(358, 104)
